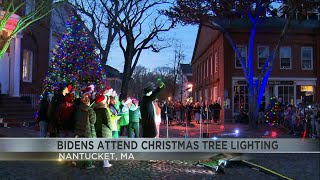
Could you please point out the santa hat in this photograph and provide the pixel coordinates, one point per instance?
(100, 98)
(129, 100)
(69, 98)
(87, 91)
(108, 91)
(69, 88)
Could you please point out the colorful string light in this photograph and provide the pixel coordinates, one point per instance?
(75, 60)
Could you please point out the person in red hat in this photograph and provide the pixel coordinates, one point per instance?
(103, 123)
(65, 116)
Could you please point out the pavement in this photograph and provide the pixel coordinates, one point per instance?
(295, 166)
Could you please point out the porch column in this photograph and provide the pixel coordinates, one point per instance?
(17, 71)
(11, 66)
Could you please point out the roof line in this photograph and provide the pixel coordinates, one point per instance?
(196, 43)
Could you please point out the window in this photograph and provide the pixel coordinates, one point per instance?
(27, 66)
(285, 58)
(263, 54)
(203, 70)
(307, 58)
(241, 99)
(30, 6)
(286, 94)
(215, 94)
(243, 52)
(216, 62)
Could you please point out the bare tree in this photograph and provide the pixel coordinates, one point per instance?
(134, 35)
(101, 19)
(41, 9)
(140, 75)
(217, 14)
(179, 58)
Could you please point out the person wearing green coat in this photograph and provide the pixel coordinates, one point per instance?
(85, 118)
(134, 118)
(114, 117)
(103, 124)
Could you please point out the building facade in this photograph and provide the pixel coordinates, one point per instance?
(295, 77)
(113, 78)
(185, 83)
(24, 64)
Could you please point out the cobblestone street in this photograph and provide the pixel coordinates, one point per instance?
(296, 166)
(303, 166)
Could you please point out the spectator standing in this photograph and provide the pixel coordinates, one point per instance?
(134, 119)
(85, 124)
(216, 112)
(197, 110)
(65, 119)
(103, 124)
(43, 115)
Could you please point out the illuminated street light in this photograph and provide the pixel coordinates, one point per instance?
(190, 87)
(169, 98)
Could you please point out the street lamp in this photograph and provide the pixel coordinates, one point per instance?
(190, 87)
(169, 98)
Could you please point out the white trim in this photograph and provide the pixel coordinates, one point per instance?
(211, 63)
(290, 57)
(215, 93)
(307, 47)
(235, 56)
(262, 46)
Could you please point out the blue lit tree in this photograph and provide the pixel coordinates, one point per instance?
(218, 14)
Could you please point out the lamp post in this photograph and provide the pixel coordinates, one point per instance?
(189, 89)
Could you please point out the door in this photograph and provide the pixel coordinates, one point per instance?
(4, 74)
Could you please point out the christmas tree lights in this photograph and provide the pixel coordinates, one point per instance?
(75, 61)
(272, 115)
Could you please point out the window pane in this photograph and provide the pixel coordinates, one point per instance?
(306, 64)
(285, 62)
(243, 53)
(27, 66)
(285, 52)
(263, 52)
(306, 53)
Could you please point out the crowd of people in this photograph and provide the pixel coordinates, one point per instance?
(66, 112)
(183, 112)
(302, 120)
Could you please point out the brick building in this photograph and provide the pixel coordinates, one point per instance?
(295, 78)
(23, 66)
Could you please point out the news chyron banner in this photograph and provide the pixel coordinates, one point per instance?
(74, 149)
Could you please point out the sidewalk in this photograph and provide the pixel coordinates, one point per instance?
(176, 131)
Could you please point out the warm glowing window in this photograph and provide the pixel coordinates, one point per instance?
(306, 89)
(27, 66)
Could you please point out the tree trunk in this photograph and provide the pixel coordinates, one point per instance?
(125, 79)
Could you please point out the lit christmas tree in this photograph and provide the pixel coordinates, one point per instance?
(272, 115)
(74, 60)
